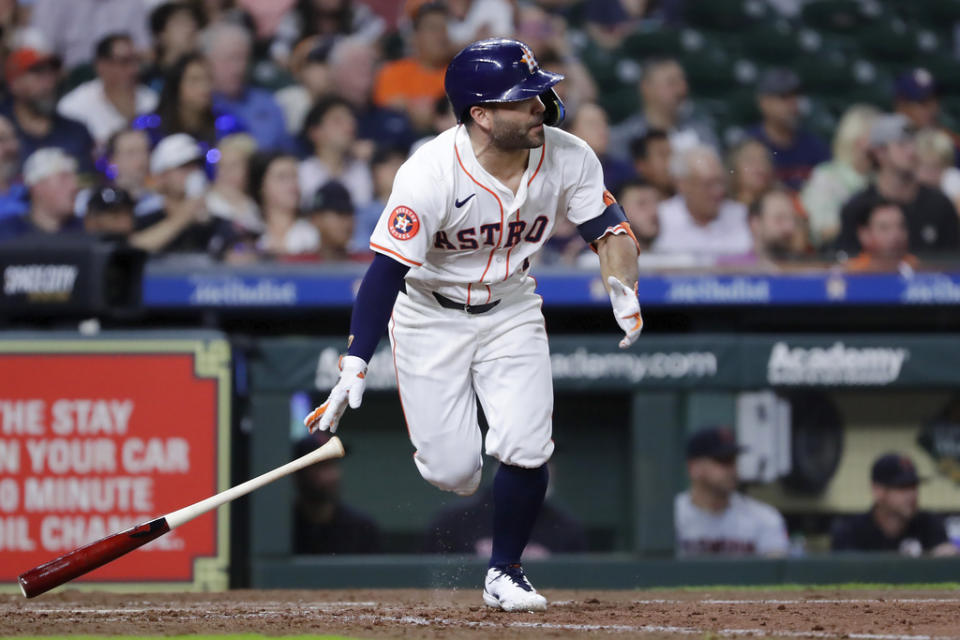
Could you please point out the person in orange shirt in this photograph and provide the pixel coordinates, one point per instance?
(414, 84)
(882, 231)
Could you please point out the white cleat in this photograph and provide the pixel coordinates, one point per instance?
(509, 589)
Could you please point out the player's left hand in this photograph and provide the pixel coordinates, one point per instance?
(349, 389)
(626, 309)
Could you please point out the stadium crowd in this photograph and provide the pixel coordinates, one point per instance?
(736, 135)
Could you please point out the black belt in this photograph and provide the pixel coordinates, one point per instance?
(447, 303)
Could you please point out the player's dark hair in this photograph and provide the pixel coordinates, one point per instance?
(640, 146)
(320, 109)
(865, 214)
(257, 168)
(104, 48)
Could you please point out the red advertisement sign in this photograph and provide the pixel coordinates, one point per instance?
(93, 443)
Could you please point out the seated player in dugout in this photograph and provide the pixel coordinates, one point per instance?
(712, 517)
(322, 523)
(451, 278)
(895, 521)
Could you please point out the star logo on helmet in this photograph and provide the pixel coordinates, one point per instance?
(529, 59)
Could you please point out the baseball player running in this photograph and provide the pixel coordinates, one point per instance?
(450, 282)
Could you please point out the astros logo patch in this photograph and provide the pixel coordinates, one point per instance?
(403, 223)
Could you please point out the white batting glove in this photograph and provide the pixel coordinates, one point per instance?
(626, 309)
(349, 389)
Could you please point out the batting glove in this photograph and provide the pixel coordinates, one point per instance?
(349, 389)
(626, 309)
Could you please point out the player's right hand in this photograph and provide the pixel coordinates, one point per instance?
(349, 389)
(626, 309)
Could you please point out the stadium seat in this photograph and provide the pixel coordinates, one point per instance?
(946, 71)
(889, 40)
(839, 15)
(725, 14)
(774, 43)
(713, 72)
(643, 43)
(931, 12)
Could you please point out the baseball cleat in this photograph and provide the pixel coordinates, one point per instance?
(507, 588)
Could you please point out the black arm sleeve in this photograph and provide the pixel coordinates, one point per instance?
(375, 299)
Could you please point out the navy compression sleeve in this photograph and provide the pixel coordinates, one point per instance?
(375, 299)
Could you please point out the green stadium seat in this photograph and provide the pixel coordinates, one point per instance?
(824, 73)
(774, 43)
(820, 119)
(642, 44)
(713, 72)
(889, 40)
(931, 13)
(945, 70)
(838, 15)
(725, 14)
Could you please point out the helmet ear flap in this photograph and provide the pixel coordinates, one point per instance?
(555, 110)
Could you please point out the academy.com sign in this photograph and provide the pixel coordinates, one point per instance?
(579, 364)
(834, 365)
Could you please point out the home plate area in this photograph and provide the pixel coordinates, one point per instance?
(795, 613)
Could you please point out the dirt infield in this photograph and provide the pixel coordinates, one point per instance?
(805, 613)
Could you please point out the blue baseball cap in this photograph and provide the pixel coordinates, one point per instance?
(713, 442)
(916, 85)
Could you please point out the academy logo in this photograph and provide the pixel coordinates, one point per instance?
(403, 224)
(836, 365)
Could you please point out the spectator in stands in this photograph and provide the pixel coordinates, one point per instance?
(443, 119)
(308, 64)
(186, 106)
(383, 167)
(931, 219)
(795, 150)
(935, 167)
(700, 220)
(640, 201)
(13, 193)
(322, 523)
(182, 224)
(472, 20)
(227, 47)
(109, 214)
(175, 27)
(712, 517)
(413, 84)
(111, 101)
(332, 213)
(331, 129)
(751, 168)
(75, 27)
(128, 166)
(227, 197)
(651, 158)
(330, 20)
(32, 79)
(352, 66)
(773, 225)
(590, 125)
(882, 232)
(664, 93)
(546, 35)
(607, 23)
(466, 526)
(274, 187)
(833, 183)
(894, 522)
(51, 176)
(916, 96)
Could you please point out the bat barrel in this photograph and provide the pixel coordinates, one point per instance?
(87, 558)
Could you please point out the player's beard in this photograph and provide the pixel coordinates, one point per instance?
(513, 136)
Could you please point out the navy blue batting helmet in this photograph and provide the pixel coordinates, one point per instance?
(500, 70)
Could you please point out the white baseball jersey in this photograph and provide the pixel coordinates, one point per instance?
(746, 527)
(467, 235)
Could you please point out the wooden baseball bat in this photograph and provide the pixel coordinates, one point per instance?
(96, 554)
